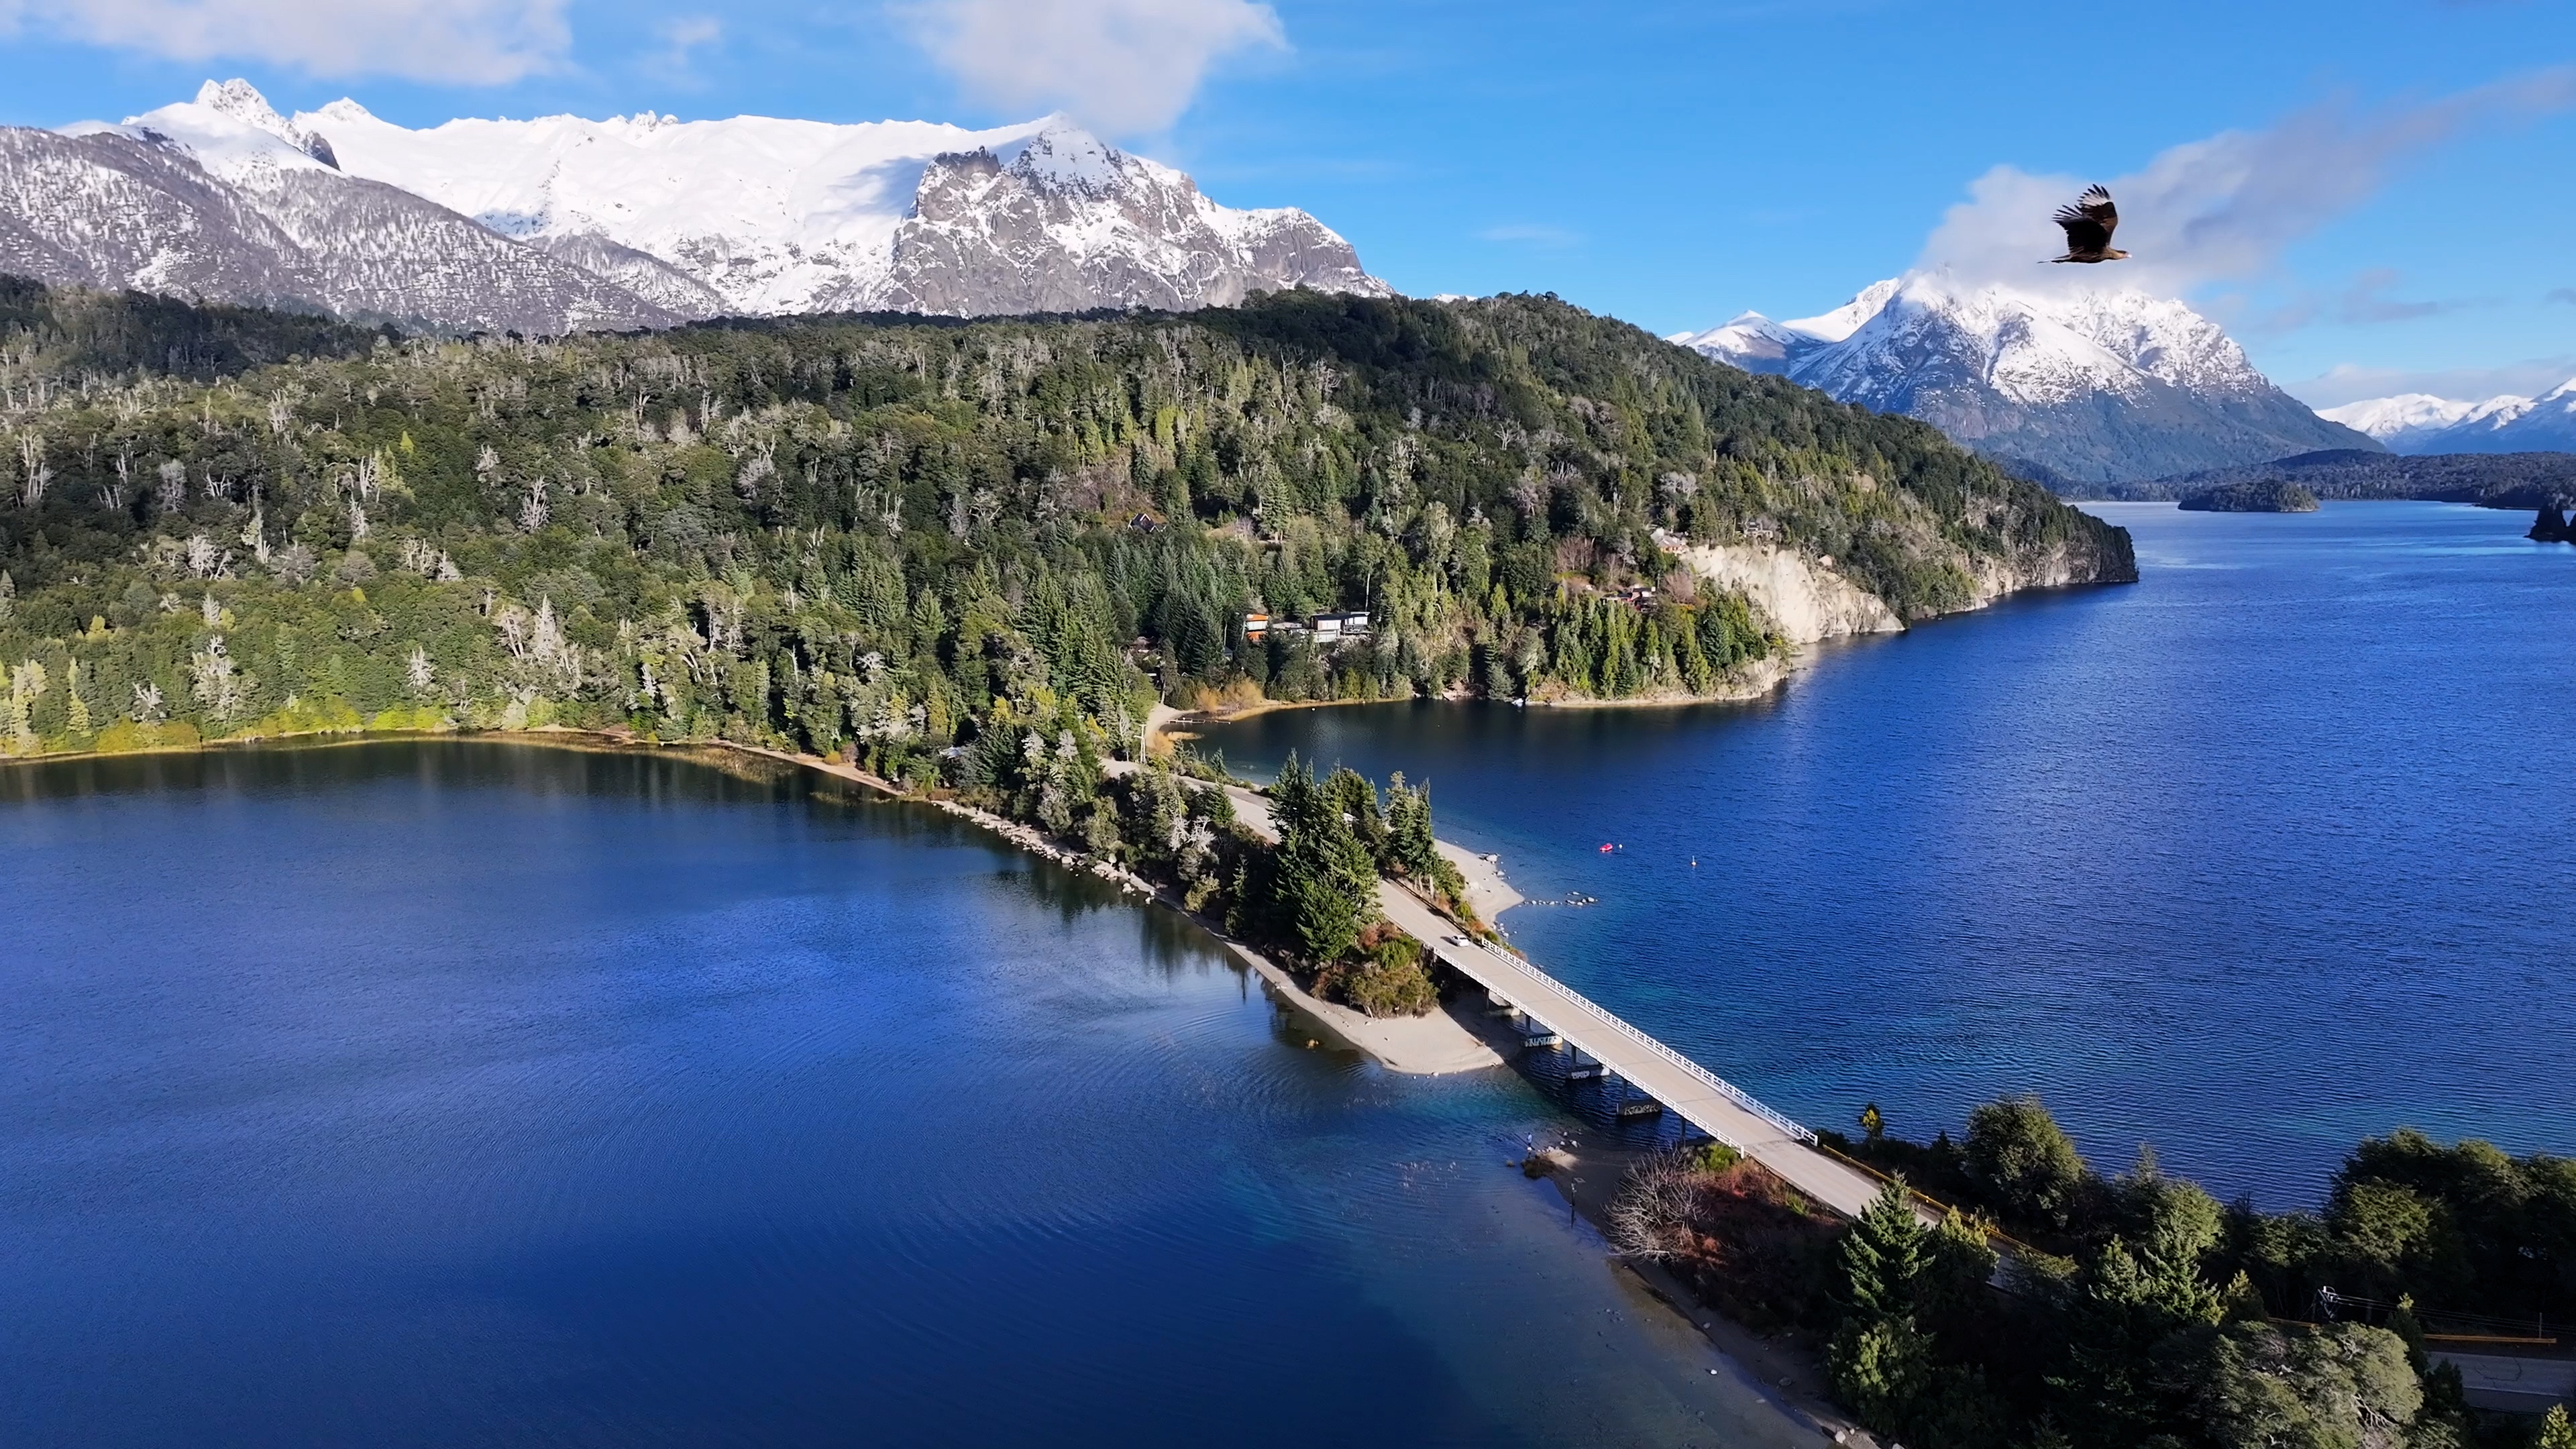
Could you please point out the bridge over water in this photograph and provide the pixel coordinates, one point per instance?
(1684, 1087)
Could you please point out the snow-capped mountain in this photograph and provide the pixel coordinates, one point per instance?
(780, 216)
(561, 224)
(2418, 422)
(380, 250)
(2081, 387)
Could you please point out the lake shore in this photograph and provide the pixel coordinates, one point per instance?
(1765, 678)
(1790, 1374)
(1435, 1044)
(1431, 1045)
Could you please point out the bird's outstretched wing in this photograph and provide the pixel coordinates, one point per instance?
(2089, 222)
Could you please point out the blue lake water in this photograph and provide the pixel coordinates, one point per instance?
(484, 1094)
(2270, 851)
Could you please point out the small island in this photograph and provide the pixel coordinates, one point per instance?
(2276, 496)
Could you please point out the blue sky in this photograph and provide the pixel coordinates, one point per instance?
(2395, 175)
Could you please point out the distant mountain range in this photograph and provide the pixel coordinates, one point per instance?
(564, 224)
(2496, 480)
(2072, 389)
(2417, 422)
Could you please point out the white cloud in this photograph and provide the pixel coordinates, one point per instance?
(2224, 207)
(471, 42)
(2350, 383)
(1126, 67)
(682, 39)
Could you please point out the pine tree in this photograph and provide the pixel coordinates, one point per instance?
(2126, 1307)
(1883, 1256)
(1326, 881)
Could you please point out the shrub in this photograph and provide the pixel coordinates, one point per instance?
(2024, 1161)
(1391, 982)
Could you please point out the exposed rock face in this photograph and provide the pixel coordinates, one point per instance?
(1070, 224)
(2551, 526)
(1804, 600)
(2054, 566)
(113, 211)
(1808, 600)
(226, 201)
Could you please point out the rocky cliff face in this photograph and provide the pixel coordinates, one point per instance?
(1808, 600)
(1803, 599)
(2052, 566)
(1069, 224)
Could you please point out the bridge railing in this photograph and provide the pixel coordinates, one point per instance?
(1698, 1073)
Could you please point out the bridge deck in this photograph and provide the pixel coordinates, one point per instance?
(1684, 1088)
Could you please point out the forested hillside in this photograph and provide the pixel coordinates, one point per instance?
(906, 540)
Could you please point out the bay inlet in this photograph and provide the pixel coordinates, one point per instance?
(457, 1091)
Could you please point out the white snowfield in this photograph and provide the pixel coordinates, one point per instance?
(2036, 348)
(646, 219)
(776, 215)
(2080, 379)
(2419, 422)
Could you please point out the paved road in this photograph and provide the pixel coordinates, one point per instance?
(2501, 1381)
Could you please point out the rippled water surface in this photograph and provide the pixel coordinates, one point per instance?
(455, 1093)
(2272, 850)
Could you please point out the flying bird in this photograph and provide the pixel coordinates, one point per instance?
(2089, 224)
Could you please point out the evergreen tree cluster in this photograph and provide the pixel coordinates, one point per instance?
(2137, 1312)
(1318, 892)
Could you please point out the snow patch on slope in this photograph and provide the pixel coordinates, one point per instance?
(780, 216)
(1749, 340)
(2418, 422)
(2398, 420)
(2089, 384)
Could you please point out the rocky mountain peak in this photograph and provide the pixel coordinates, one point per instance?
(1064, 157)
(240, 102)
(2083, 383)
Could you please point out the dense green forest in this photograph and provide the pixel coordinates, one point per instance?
(885, 536)
(2135, 1311)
